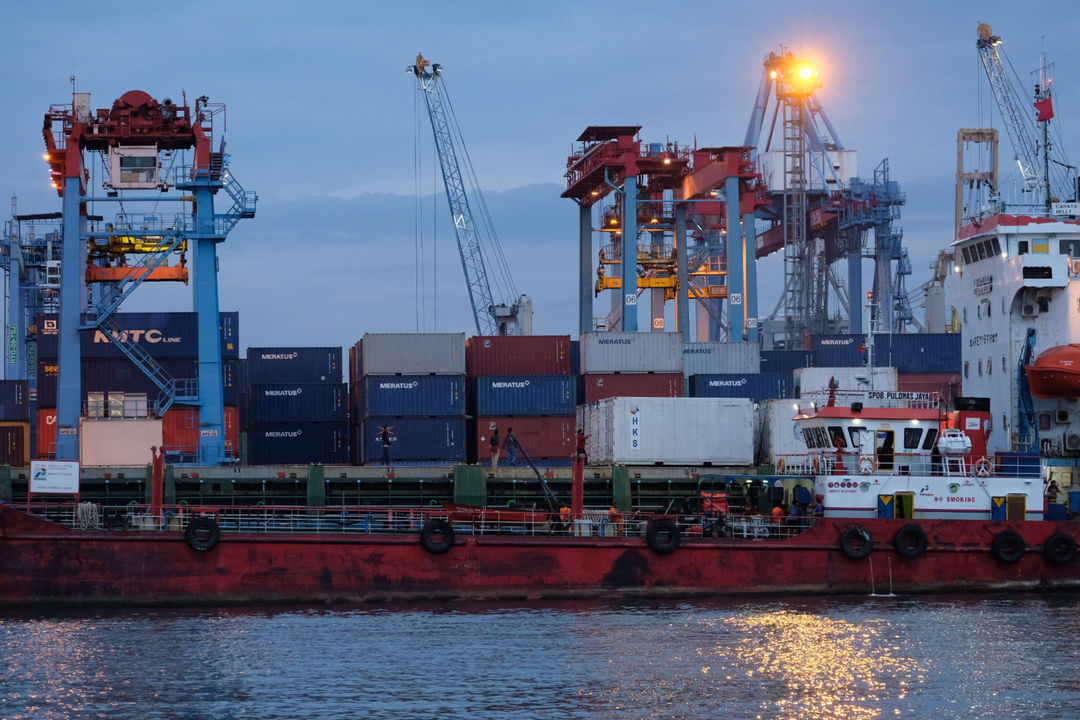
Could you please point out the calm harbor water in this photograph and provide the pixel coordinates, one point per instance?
(854, 658)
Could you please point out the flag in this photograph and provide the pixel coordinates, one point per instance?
(1045, 108)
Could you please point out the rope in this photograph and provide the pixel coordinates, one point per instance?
(87, 517)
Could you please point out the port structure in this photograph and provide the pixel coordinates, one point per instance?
(143, 148)
(475, 234)
(665, 209)
(821, 212)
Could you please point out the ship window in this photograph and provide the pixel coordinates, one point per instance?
(836, 434)
(1037, 272)
(980, 250)
(822, 438)
(980, 368)
(912, 436)
(987, 248)
(1044, 421)
(1004, 367)
(967, 255)
(995, 245)
(856, 433)
(989, 366)
(931, 436)
(966, 366)
(1044, 304)
(1069, 247)
(1021, 247)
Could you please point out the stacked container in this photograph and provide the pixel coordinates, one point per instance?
(523, 383)
(716, 369)
(414, 385)
(633, 364)
(15, 423)
(297, 406)
(171, 338)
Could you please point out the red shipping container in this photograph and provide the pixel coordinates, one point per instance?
(600, 386)
(180, 430)
(550, 436)
(517, 355)
(46, 433)
(947, 385)
(232, 431)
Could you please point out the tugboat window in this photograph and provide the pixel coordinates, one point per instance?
(912, 437)
(931, 438)
(1022, 247)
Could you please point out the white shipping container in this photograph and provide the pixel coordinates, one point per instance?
(412, 354)
(673, 431)
(633, 352)
(719, 358)
(118, 443)
(849, 379)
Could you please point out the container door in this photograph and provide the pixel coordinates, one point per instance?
(997, 508)
(1016, 507)
(905, 505)
(886, 449)
(885, 506)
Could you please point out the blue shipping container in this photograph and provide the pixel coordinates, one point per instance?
(839, 350)
(757, 387)
(786, 361)
(111, 375)
(411, 395)
(298, 444)
(508, 395)
(575, 357)
(413, 439)
(919, 352)
(14, 400)
(297, 402)
(294, 365)
(233, 380)
(163, 335)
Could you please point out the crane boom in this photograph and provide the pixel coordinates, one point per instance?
(490, 318)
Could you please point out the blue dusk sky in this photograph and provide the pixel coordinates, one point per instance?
(323, 123)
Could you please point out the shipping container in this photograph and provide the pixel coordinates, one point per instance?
(540, 438)
(270, 365)
(15, 400)
(46, 434)
(757, 387)
(117, 443)
(718, 358)
(297, 402)
(409, 395)
(598, 387)
(522, 395)
(946, 385)
(839, 350)
(180, 428)
(298, 443)
(412, 440)
(919, 352)
(411, 354)
(233, 380)
(780, 435)
(672, 431)
(786, 361)
(631, 352)
(517, 355)
(575, 357)
(816, 380)
(15, 443)
(162, 335)
(112, 375)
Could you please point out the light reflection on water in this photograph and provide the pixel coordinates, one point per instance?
(818, 658)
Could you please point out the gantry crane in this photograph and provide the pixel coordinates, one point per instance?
(142, 143)
(491, 318)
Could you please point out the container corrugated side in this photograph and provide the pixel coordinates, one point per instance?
(755, 386)
(412, 354)
(15, 443)
(599, 386)
(522, 395)
(117, 443)
(541, 438)
(46, 434)
(294, 365)
(919, 352)
(298, 402)
(414, 440)
(636, 352)
(946, 385)
(839, 350)
(111, 375)
(298, 443)
(15, 400)
(674, 431)
(180, 433)
(162, 335)
(718, 358)
(410, 395)
(517, 355)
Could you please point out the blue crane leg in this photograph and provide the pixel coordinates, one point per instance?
(72, 294)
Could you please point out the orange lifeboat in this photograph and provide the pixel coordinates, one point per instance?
(1056, 373)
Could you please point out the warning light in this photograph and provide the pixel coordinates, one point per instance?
(869, 296)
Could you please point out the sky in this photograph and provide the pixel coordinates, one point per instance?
(323, 123)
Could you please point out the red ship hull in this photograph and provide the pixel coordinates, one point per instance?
(44, 563)
(1056, 373)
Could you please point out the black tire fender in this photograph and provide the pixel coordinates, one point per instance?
(663, 536)
(910, 541)
(437, 536)
(202, 534)
(1060, 548)
(1008, 547)
(857, 542)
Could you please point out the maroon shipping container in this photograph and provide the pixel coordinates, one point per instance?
(517, 355)
(547, 437)
(600, 386)
(947, 385)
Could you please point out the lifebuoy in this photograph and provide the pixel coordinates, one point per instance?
(816, 464)
(867, 464)
(437, 536)
(1008, 547)
(857, 542)
(781, 466)
(910, 541)
(983, 467)
(202, 534)
(663, 536)
(1060, 549)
